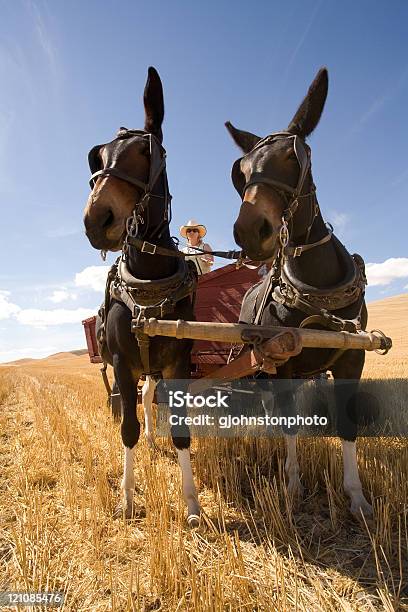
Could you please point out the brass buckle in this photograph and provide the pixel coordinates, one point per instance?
(297, 251)
(148, 247)
(284, 233)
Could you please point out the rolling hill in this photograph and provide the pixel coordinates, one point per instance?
(390, 315)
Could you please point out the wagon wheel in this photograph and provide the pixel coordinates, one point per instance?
(115, 402)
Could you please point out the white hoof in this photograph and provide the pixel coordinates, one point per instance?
(193, 520)
(359, 505)
(151, 442)
(123, 511)
(193, 507)
(295, 488)
(352, 482)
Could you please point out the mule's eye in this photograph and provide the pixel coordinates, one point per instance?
(290, 154)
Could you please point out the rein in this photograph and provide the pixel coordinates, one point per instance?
(152, 249)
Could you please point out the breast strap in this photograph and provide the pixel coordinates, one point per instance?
(151, 298)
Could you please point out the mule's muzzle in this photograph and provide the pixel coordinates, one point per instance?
(257, 237)
(98, 225)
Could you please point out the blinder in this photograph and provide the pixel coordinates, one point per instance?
(302, 153)
(93, 159)
(237, 177)
(157, 161)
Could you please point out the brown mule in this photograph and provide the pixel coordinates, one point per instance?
(130, 199)
(313, 279)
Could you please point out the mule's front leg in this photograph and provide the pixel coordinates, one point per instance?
(128, 482)
(284, 403)
(352, 482)
(180, 434)
(346, 395)
(130, 431)
(285, 399)
(189, 488)
(147, 395)
(295, 487)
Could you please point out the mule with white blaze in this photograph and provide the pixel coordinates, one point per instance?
(130, 200)
(313, 281)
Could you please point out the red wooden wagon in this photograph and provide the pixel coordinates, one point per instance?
(219, 298)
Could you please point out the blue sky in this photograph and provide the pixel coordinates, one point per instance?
(73, 72)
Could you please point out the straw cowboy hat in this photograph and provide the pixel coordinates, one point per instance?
(193, 224)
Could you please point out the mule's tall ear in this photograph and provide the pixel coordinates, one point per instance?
(245, 140)
(153, 103)
(309, 112)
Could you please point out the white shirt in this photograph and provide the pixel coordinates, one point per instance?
(203, 263)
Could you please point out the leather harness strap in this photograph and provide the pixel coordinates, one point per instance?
(316, 303)
(302, 155)
(295, 251)
(153, 298)
(121, 175)
(146, 299)
(347, 293)
(153, 249)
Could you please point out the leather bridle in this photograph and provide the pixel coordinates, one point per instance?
(157, 169)
(290, 194)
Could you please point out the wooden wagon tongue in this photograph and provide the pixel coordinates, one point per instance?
(272, 346)
(239, 333)
(265, 356)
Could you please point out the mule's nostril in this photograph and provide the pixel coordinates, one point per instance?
(108, 221)
(265, 231)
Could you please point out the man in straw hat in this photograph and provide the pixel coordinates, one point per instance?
(194, 233)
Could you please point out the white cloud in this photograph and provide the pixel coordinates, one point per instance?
(42, 318)
(7, 308)
(59, 316)
(301, 39)
(61, 295)
(387, 271)
(32, 351)
(380, 101)
(43, 36)
(92, 277)
(339, 220)
(400, 178)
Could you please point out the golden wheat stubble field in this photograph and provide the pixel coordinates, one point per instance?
(61, 461)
